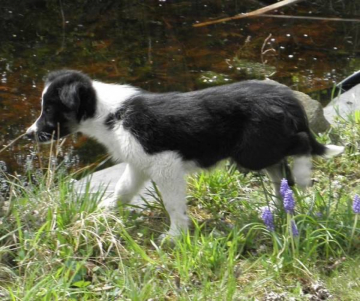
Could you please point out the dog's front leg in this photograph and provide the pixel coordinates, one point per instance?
(173, 192)
(129, 184)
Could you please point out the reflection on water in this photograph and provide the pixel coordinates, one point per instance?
(153, 45)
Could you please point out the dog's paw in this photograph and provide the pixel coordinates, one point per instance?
(171, 236)
(166, 240)
(109, 203)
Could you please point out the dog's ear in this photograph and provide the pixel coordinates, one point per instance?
(70, 96)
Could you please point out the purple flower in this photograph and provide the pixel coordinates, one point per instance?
(284, 186)
(268, 219)
(356, 204)
(318, 214)
(294, 229)
(289, 202)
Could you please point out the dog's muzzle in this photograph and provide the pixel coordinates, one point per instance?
(31, 132)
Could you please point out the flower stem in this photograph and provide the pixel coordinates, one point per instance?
(289, 219)
(275, 243)
(353, 230)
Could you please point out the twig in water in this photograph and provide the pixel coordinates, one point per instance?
(310, 18)
(250, 14)
(63, 23)
(263, 51)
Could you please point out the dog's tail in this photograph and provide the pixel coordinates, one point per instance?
(326, 151)
(302, 164)
(332, 151)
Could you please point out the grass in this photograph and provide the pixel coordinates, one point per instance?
(56, 245)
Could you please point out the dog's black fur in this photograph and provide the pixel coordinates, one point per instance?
(255, 123)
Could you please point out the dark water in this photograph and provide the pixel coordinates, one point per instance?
(153, 45)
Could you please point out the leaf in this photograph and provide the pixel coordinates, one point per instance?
(81, 283)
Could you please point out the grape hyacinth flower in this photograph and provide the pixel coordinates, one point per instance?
(356, 204)
(356, 209)
(289, 202)
(268, 219)
(289, 206)
(284, 186)
(319, 214)
(294, 229)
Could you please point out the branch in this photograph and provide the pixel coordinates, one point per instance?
(250, 14)
(311, 18)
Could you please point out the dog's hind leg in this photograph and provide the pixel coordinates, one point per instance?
(129, 184)
(302, 170)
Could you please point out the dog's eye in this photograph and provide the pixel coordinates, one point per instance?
(47, 110)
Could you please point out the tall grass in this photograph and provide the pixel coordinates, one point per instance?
(55, 244)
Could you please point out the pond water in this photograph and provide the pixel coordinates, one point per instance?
(153, 45)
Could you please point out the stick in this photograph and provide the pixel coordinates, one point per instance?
(250, 14)
(12, 142)
(310, 18)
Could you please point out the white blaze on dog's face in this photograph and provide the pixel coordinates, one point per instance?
(34, 127)
(67, 99)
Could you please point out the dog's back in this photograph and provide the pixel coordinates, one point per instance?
(255, 123)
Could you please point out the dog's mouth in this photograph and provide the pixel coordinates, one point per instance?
(44, 137)
(41, 137)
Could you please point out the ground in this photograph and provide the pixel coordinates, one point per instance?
(56, 244)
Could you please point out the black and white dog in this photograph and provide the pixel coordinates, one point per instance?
(164, 136)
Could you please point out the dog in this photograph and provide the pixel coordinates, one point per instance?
(164, 136)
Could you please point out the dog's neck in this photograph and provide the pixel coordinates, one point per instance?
(109, 98)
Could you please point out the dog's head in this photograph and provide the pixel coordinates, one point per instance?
(67, 99)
